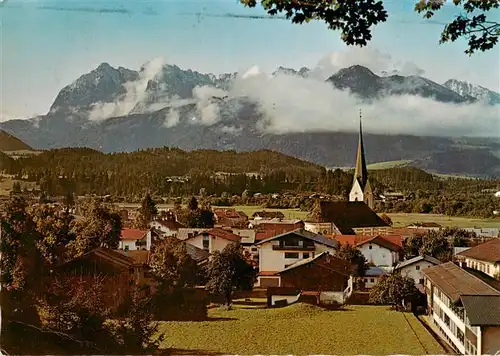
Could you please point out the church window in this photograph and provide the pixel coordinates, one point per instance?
(370, 247)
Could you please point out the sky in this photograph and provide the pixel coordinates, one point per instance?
(45, 45)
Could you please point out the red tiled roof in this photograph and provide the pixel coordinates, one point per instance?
(133, 234)
(267, 273)
(226, 213)
(268, 230)
(224, 234)
(381, 241)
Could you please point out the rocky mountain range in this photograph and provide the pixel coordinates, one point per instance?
(118, 109)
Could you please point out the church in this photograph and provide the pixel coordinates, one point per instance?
(361, 189)
(352, 217)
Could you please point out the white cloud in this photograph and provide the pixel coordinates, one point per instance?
(371, 58)
(172, 118)
(208, 111)
(295, 104)
(135, 93)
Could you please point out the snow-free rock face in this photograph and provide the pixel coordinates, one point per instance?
(476, 91)
(103, 84)
(367, 85)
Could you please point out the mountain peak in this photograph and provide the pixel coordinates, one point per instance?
(475, 91)
(357, 70)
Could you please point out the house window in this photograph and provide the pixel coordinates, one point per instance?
(206, 242)
(421, 281)
(126, 248)
(417, 268)
(370, 247)
(305, 255)
(372, 280)
(290, 255)
(488, 269)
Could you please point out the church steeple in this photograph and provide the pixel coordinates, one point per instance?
(361, 172)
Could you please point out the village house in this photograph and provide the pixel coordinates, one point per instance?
(188, 232)
(281, 251)
(413, 267)
(324, 276)
(136, 239)
(372, 276)
(212, 240)
(464, 306)
(484, 257)
(230, 217)
(269, 229)
(380, 251)
(117, 272)
(345, 218)
(168, 226)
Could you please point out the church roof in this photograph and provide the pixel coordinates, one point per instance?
(348, 215)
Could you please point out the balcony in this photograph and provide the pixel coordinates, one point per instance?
(293, 248)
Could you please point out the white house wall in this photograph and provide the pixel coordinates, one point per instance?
(274, 260)
(412, 272)
(127, 243)
(486, 267)
(454, 318)
(166, 231)
(215, 243)
(378, 255)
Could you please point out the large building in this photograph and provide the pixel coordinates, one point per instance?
(464, 305)
(361, 189)
(484, 257)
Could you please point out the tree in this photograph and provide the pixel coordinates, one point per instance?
(354, 256)
(98, 228)
(54, 232)
(393, 289)
(193, 204)
(387, 219)
(16, 188)
(228, 272)
(412, 245)
(172, 266)
(20, 263)
(437, 246)
(69, 200)
(355, 19)
(147, 212)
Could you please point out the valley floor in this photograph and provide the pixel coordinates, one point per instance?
(302, 329)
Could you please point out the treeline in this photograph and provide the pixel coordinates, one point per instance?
(171, 172)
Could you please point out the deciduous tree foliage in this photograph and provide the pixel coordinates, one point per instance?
(228, 272)
(437, 246)
(392, 290)
(355, 19)
(172, 266)
(98, 228)
(355, 257)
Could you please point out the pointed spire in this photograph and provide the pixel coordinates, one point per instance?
(361, 172)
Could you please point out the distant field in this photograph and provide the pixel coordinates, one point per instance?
(401, 220)
(289, 213)
(398, 219)
(301, 329)
(389, 164)
(6, 183)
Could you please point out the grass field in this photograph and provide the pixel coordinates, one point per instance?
(302, 329)
(401, 220)
(389, 164)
